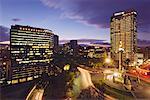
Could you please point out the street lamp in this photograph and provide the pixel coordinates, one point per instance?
(4, 63)
(107, 60)
(121, 50)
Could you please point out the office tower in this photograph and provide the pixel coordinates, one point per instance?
(74, 46)
(56, 43)
(124, 36)
(31, 50)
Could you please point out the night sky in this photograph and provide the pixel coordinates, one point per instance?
(72, 19)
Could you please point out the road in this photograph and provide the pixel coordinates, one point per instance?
(55, 87)
(51, 88)
(37, 91)
(145, 78)
(87, 82)
(139, 90)
(38, 95)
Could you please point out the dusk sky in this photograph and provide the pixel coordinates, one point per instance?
(73, 19)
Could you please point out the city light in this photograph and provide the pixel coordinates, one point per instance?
(107, 60)
(44, 56)
(116, 74)
(66, 67)
(4, 63)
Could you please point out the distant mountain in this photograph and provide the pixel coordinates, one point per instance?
(103, 42)
(143, 42)
(84, 41)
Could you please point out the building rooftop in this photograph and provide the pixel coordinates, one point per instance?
(29, 28)
(123, 13)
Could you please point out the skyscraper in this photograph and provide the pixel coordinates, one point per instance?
(31, 50)
(124, 35)
(56, 43)
(74, 46)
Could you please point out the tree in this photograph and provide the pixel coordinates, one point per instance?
(127, 62)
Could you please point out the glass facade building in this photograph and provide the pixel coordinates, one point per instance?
(31, 50)
(123, 30)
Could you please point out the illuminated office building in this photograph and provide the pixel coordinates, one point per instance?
(31, 50)
(124, 33)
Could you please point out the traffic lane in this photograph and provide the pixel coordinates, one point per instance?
(38, 90)
(37, 94)
(140, 90)
(141, 77)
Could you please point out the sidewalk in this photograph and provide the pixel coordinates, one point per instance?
(139, 91)
(143, 79)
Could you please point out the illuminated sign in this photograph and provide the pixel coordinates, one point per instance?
(120, 13)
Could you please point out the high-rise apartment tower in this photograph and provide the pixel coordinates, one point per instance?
(123, 32)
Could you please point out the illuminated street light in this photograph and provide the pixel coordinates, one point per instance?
(116, 74)
(4, 63)
(107, 60)
(121, 50)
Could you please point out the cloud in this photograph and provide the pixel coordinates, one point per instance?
(4, 33)
(16, 19)
(98, 12)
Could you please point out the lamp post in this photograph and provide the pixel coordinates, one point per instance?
(121, 50)
(107, 62)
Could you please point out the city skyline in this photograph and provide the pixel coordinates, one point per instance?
(74, 49)
(81, 19)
